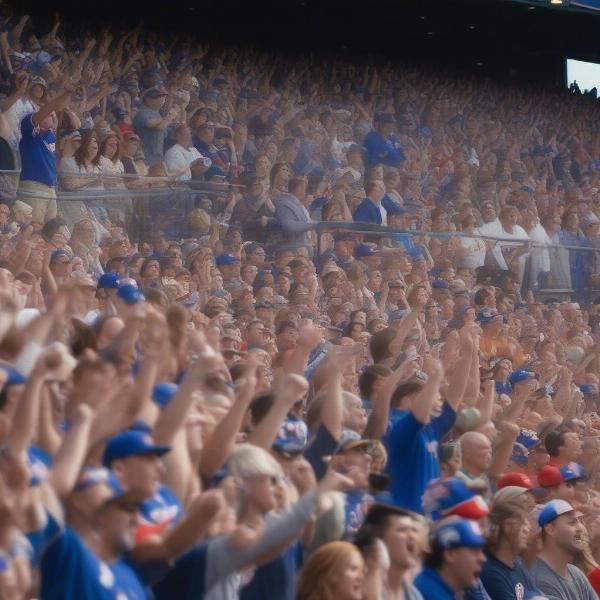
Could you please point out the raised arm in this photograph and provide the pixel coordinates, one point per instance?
(219, 445)
(425, 399)
(292, 388)
(72, 452)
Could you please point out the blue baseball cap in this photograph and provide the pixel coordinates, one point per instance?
(110, 280)
(100, 475)
(292, 437)
(552, 510)
(131, 443)
(520, 454)
(572, 473)
(222, 260)
(440, 284)
(520, 375)
(528, 438)
(130, 294)
(487, 315)
(363, 250)
(452, 497)
(163, 393)
(460, 532)
(60, 252)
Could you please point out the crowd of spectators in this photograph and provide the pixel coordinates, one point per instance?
(205, 394)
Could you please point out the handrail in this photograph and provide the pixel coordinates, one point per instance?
(384, 230)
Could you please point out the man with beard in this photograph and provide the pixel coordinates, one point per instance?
(398, 529)
(455, 561)
(504, 574)
(562, 538)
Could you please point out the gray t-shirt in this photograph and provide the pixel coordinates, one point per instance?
(153, 138)
(555, 587)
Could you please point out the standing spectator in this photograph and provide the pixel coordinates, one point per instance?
(37, 186)
(291, 212)
(183, 161)
(381, 146)
(370, 210)
(152, 126)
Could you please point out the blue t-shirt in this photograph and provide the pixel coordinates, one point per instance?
(276, 579)
(380, 150)
(413, 454)
(505, 583)
(128, 581)
(38, 161)
(163, 507)
(356, 504)
(322, 444)
(432, 586)
(69, 569)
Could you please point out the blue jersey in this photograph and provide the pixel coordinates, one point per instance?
(69, 569)
(382, 151)
(163, 507)
(413, 454)
(38, 161)
(432, 586)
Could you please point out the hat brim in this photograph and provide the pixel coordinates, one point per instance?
(474, 509)
(354, 445)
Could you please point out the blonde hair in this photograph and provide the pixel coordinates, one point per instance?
(248, 460)
(315, 579)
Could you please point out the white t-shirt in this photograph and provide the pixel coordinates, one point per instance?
(476, 252)
(177, 158)
(14, 115)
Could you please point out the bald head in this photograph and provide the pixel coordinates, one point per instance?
(476, 452)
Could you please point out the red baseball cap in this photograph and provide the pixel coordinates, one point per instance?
(516, 479)
(550, 476)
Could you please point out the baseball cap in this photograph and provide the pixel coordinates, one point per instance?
(292, 437)
(460, 532)
(508, 493)
(513, 479)
(100, 475)
(550, 476)
(130, 294)
(350, 440)
(487, 315)
(110, 280)
(440, 284)
(520, 375)
(154, 92)
(520, 454)
(364, 250)
(528, 438)
(163, 393)
(452, 497)
(552, 510)
(131, 443)
(222, 260)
